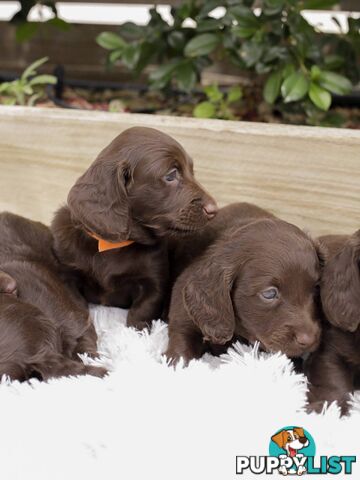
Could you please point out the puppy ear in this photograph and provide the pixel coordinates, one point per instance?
(279, 439)
(207, 296)
(299, 431)
(340, 286)
(99, 200)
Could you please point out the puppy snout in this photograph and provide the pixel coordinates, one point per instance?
(303, 440)
(305, 339)
(210, 209)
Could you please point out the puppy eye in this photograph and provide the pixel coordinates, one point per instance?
(172, 175)
(270, 293)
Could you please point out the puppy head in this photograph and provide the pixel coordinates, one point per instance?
(141, 185)
(340, 283)
(260, 282)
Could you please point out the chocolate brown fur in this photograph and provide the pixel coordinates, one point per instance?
(218, 296)
(334, 370)
(43, 325)
(129, 193)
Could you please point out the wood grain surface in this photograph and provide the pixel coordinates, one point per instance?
(309, 176)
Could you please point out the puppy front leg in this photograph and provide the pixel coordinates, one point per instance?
(147, 305)
(331, 379)
(87, 343)
(55, 366)
(186, 343)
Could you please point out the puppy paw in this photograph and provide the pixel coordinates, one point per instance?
(283, 470)
(301, 470)
(138, 324)
(96, 371)
(316, 407)
(218, 334)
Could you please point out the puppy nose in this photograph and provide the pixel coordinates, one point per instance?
(303, 440)
(210, 210)
(305, 339)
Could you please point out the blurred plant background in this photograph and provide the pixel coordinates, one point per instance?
(283, 69)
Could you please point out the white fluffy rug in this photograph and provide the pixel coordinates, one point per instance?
(147, 421)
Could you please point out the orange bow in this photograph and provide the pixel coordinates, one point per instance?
(104, 245)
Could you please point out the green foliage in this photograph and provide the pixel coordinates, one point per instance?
(181, 52)
(294, 63)
(218, 104)
(29, 88)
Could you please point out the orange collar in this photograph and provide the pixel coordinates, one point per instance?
(104, 245)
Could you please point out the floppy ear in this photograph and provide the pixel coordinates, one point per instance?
(207, 294)
(279, 438)
(340, 286)
(299, 431)
(99, 200)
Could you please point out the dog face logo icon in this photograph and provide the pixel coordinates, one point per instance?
(291, 440)
(292, 445)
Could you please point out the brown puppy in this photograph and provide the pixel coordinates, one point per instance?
(141, 188)
(257, 281)
(334, 370)
(43, 325)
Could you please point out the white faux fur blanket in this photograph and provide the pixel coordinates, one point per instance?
(147, 421)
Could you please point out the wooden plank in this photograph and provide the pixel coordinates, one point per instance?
(86, 60)
(307, 175)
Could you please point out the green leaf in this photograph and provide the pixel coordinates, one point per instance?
(176, 40)
(59, 24)
(202, 44)
(25, 31)
(333, 61)
(251, 53)
(160, 77)
(234, 94)
(131, 55)
(273, 7)
(205, 110)
(163, 71)
(272, 87)
(208, 25)
(288, 70)
(43, 80)
(319, 4)
(315, 72)
(110, 41)
(32, 100)
(27, 90)
(244, 15)
(4, 86)
(335, 83)
(131, 30)
(115, 55)
(208, 7)
(320, 97)
(294, 87)
(213, 93)
(275, 53)
(31, 69)
(186, 76)
(244, 32)
(247, 23)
